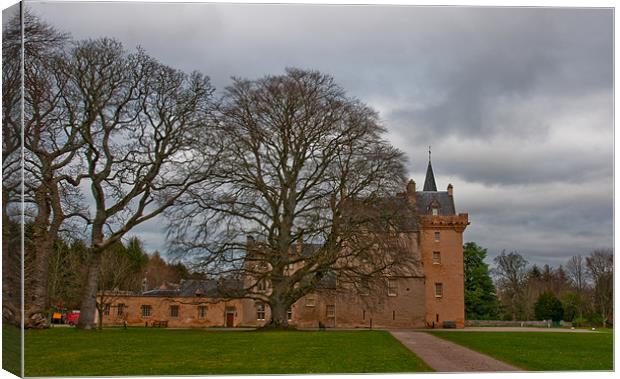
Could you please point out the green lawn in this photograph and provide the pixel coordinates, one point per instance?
(540, 351)
(11, 348)
(68, 351)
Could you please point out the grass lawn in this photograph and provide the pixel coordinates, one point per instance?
(11, 348)
(540, 351)
(139, 351)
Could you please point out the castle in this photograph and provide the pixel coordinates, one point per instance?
(431, 295)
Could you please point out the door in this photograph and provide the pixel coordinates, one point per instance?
(230, 319)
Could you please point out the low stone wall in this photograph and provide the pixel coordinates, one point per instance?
(540, 324)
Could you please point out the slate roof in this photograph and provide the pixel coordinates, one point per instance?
(192, 288)
(425, 199)
(429, 181)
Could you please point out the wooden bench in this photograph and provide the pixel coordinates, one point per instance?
(160, 324)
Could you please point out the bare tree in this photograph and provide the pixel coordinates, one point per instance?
(141, 123)
(118, 274)
(51, 142)
(576, 272)
(11, 169)
(600, 265)
(305, 173)
(511, 276)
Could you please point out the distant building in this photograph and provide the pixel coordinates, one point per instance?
(431, 295)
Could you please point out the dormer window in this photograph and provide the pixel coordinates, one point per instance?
(434, 207)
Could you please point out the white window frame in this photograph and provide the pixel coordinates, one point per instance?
(435, 211)
(260, 311)
(437, 236)
(289, 313)
(436, 257)
(311, 300)
(438, 290)
(392, 287)
(145, 310)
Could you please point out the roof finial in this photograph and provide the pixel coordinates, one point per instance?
(429, 182)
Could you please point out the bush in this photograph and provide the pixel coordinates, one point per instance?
(596, 320)
(580, 321)
(548, 307)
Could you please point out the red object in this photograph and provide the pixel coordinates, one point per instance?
(72, 318)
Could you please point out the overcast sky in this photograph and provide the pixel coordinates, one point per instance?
(517, 103)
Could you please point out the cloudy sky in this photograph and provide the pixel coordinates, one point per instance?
(517, 103)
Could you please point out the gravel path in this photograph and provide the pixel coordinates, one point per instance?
(445, 356)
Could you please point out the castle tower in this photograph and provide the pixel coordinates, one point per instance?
(441, 248)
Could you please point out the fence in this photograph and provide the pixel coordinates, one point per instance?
(540, 324)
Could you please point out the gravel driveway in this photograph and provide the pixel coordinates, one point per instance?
(444, 356)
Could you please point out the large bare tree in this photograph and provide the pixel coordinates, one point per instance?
(308, 176)
(141, 123)
(50, 144)
(11, 169)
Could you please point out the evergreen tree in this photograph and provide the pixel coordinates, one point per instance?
(480, 299)
(548, 307)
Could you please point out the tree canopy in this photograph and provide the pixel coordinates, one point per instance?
(480, 299)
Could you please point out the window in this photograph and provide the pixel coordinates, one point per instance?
(146, 310)
(436, 257)
(364, 314)
(330, 311)
(437, 236)
(365, 287)
(438, 289)
(435, 211)
(393, 315)
(289, 313)
(392, 287)
(106, 309)
(261, 285)
(260, 311)
(310, 301)
(120, 309)
(174, 311)
(202, 312)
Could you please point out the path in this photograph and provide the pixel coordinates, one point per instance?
(445, 356)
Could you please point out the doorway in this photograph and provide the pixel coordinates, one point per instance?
(230, 319)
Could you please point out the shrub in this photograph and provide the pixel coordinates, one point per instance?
(580, 321)
(548, 307)
(596, 320)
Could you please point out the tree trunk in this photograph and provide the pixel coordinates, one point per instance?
(100, 316)
(11, 266)
(279, 319)
(36, 304)
(89, 296)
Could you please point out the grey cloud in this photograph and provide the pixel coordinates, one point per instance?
(517, 102)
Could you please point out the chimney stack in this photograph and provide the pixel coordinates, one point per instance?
(411, 192)
(450, 190)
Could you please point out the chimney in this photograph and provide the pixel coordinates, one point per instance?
(411, 192)
(450, 190)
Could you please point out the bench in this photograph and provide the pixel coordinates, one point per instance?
(160, 324)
